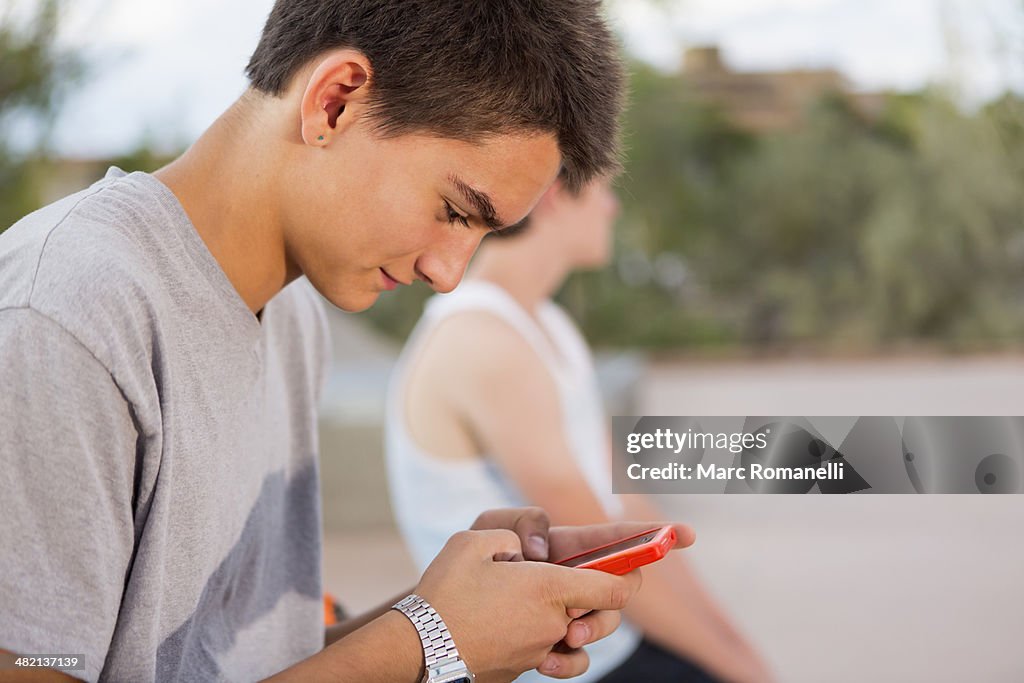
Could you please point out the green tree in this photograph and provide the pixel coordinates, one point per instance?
(34, 72)
(858, 231)
(680, 153)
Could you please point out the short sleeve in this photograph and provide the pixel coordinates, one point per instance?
(67, 462)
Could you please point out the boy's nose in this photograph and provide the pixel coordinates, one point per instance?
(444, 267)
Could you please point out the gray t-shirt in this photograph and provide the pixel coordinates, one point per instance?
(159, 488)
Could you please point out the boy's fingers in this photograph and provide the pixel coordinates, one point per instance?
(563, 662)
(591, 628)
(595, 590)
(531, 524)
(685, 535)
(492, 544)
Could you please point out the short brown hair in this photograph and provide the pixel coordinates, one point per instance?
(467, 69)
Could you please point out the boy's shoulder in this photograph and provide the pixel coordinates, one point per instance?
(86, 235)
(80, 261)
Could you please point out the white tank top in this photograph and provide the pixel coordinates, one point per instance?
(434, 498)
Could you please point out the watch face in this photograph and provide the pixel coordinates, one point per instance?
(456, 673)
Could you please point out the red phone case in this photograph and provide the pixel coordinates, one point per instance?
(627, 560)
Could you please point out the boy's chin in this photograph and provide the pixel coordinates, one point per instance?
(358, 304)
(353, 303)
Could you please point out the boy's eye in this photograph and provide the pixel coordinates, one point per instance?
(454, 215)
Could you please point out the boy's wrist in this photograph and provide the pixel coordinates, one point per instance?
(385, 650)
(403, 643)
(442, 662)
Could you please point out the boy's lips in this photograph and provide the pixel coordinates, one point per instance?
(389, 282)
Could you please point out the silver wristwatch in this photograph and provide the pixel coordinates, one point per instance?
(443, 664)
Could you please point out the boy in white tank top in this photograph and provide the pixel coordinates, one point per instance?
(495, 403)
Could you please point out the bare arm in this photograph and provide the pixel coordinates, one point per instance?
(332, 634)
(382, 650)
(385, 649)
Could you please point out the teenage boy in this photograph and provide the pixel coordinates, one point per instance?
(163, 353)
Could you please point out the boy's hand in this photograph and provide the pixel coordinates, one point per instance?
(529, 615)
(505, 617)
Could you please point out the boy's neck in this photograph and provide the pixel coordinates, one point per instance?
(530, 276)
(229, 189)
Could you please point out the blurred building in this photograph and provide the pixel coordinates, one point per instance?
(769, 101)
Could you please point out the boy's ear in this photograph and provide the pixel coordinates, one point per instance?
(336, 88)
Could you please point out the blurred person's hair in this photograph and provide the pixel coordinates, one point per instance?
(467, 69)
(521, 227)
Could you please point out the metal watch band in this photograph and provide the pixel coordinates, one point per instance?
(442, 659)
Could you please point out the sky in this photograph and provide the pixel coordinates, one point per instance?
(163, 71)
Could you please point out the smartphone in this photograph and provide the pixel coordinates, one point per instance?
(623, 556)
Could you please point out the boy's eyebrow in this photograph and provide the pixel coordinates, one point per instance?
(480, 201)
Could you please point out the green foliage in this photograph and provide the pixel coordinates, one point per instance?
(848, 231)
(855, 232)
(33, 73)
